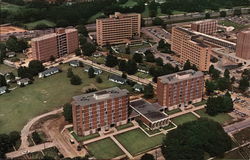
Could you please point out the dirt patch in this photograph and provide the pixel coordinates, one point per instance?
(10, 29)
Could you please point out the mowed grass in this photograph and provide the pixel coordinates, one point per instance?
(10, 7)
(5, 69)
(84, 138)
(184, 118)
(231, 23)
(22, 104)
(32, 25)
(136, 141)
(121, 127)
(129, 3)
(104, 149)
(221, 118)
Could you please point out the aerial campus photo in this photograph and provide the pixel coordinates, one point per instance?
(125, 79)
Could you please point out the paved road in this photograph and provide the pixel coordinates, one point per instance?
(237, 126)
(26, 129)
(32, 149)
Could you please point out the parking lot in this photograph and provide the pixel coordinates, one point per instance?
(157, 33)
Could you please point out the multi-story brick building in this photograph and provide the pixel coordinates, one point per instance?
(118, 28)
(208, 26)
(100, 110)
(190, 47)
(243, 45)
(64, 41)
(180, 89)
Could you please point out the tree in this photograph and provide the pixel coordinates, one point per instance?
(2, 81)
(193, 139)
(75, 80)
(161, 44)
(70, 73)
(223, 84)
(159, 61)
(91, 72)
(35, 66)
(52, 58)
(137, 58)
(16, 45)
(147, 157)
(210, 86)
(36, 138)
(131, 67)
(127, 49)
(14, 137)
(24, 72)
(48, 158)
(187, 65)
(88, 49)
(67, 112)
(124, 75)
(99, 79)
(227, 74)
(158, 21)
(149, 91)
(207, 16)
(214, 73)
(149, 56)
(78, 52)
(111, 61)
(223, 13)
(82, 30)
(122, 65)
(244, 84)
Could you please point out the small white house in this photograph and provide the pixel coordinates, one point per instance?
(3, 90)
(117, 79)
(96, 70)
(24, 81)
(74, 63)
(48, 72)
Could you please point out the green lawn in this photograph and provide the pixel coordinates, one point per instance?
(184, 118)
(231, 23)
(221, 118)
(84, 138)
(200, 103)
(243, 135)
(136, 141)
(32, 25)
(145, 128)
(129, 3)
(94, 17)
(143, 75)
(128, 125)
(10, 7)
(104, 149)
(169, 126)
(236, 154)
(5, 69)
(22, 104)
(173, 111)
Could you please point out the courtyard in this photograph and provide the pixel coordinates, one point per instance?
(184, 118)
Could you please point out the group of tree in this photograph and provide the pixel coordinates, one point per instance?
(219, 104)
(218, 82)
(156, 71)
(16, 45)
(67, 112)
(74, 79)
(2, 81)
(164, 47)
(187, 65)
(244, 82)
(147, 156)
(148, 91)
(7, 142)
(34, 67)
(194, 139)
(36, 137)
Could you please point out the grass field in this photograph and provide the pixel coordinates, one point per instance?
(136, 141)
(143, 75)
(200, 103)
(32, 25)
(128, 125)
(230, 23)
(104, 149)
(184, 118)
(221, 118)
(10, 7)
(22, 104)
(169, 126)
(5, 69)
(84, 138)
(173, 111)
(129, 3)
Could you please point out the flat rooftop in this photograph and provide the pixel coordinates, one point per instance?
(99, 96)
(148, 110)
(205, 21)
(180, 76)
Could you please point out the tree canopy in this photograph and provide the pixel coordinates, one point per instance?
(193, 139)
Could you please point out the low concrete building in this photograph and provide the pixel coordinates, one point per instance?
(48, 72)
(150, 114)
(117, 79)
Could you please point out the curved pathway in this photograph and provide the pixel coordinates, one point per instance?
(26, 129)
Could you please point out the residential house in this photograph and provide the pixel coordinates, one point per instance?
(138, 87)
(24, 81)
(74, 63)
(10, 54)
(48, 72)
(143, 69)
(96, 70)
(117, 79)
(3, 90)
